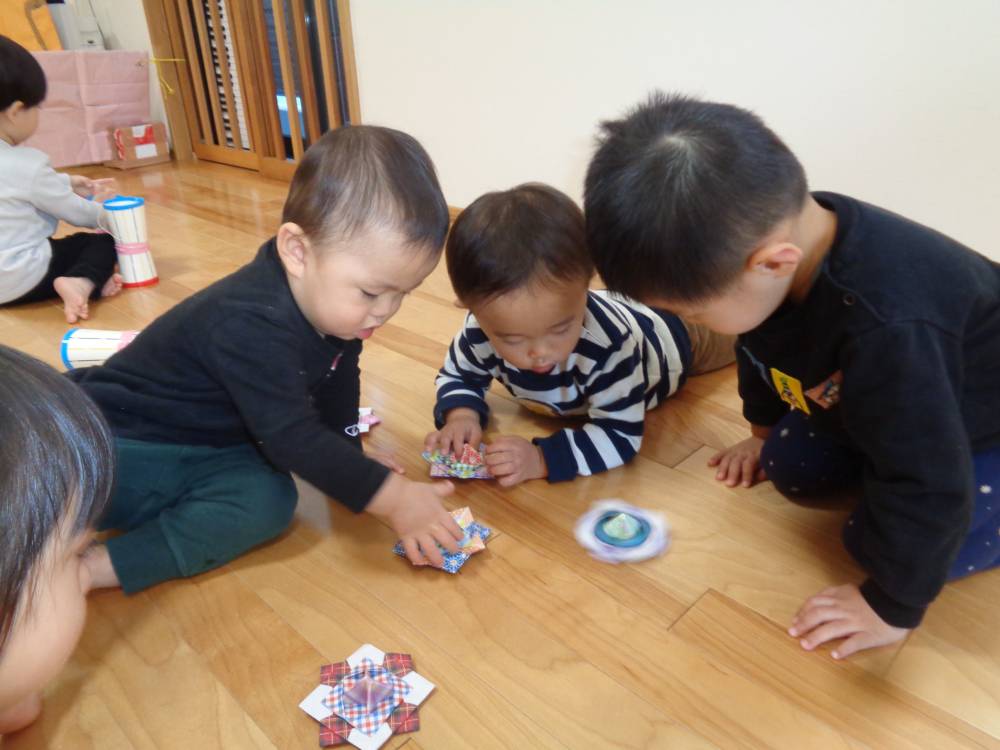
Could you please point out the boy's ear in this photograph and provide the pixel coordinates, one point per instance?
(776, 259)
(293, 248)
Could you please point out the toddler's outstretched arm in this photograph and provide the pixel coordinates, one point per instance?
(463, 381)
(55, 194)
(415, 513)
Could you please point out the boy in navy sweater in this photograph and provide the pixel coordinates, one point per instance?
(869, 346)
(518, 261)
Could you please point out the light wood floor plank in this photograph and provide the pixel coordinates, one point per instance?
(847, 699)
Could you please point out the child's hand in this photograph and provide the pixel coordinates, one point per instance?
(461, 426)
(740, 463)
(82, 186)
(414, 511)
(98, 189)
(842, 612)
(386, 460)
(513, 459)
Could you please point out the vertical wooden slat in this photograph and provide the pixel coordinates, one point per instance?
(241, 35)
(194, 64)
(250, 54)
(178, 105)
(306, 70)
(227, 86)
(328, 63)
(287, 77)
(350, 67)
(264, 77)
(209, 66)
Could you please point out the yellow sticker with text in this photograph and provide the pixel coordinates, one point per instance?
(790, 390)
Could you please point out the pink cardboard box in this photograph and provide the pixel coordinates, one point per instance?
(89, 91)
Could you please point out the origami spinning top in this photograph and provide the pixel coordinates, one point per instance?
(367, 698)
(368, 693)
(470, 465)
(472, 542)
(614, 531)
(622, 526)
(621, 529)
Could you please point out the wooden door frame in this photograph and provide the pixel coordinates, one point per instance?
(166, 34)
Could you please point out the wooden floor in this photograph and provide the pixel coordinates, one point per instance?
(533, 644)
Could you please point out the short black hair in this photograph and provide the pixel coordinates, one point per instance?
(679, 193)
(21, 77)
(364, 176)
(506, 240)
(56, 459)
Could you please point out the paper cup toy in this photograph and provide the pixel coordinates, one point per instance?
(127, 218)
(83, 347)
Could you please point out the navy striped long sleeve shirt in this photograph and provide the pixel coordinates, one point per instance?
(629, 359)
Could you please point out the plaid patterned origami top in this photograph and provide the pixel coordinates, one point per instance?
(367, 698)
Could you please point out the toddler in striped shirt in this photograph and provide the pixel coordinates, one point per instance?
(518, 262)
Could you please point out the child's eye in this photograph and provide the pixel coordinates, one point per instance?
(368, 295)
(561, 330)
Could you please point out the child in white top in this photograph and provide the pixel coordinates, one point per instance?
(34, 197)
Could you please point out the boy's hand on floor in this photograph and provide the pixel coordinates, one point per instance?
(415, 513)
(461, 426)
(842, 612)
(513, 459)
(740, 463)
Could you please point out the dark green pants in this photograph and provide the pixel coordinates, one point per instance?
(186, 509)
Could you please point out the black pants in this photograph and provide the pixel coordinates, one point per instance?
(85, 255)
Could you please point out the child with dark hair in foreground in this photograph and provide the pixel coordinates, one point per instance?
(56, 471)
(518, 261)
(34, 197)
(868, 351)
(256, 376)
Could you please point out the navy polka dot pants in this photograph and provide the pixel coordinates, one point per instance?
(802, 461)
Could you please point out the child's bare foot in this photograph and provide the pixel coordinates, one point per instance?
(112, 286)
(75, 293)
(102, 573)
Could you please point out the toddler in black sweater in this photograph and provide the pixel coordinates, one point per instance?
(219, 399)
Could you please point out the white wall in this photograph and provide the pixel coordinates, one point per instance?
(123, 24)
(893, 101)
